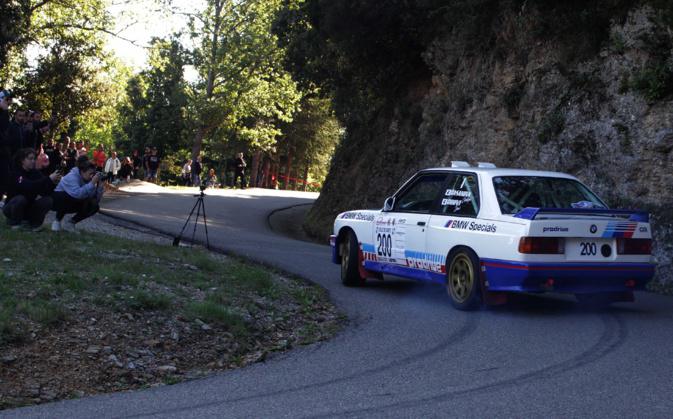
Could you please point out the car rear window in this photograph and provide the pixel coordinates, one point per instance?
(517, 192)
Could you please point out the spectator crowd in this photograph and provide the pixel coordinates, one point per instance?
(38, 174)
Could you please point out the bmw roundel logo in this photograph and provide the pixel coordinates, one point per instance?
(593, 229)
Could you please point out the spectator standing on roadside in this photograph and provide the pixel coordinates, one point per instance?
(15, 132)
(112, 166)
(79, 192)
(28, 192)
(70, 155)
(196, 172)
(99, 158)
(187, 172)
(240, 166)
(146, 159)
(153, 165)
(137, 163)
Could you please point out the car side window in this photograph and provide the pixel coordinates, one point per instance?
(420, 196)
(461, 196)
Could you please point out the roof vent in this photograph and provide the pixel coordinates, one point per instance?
(459, 163)
(486, 165)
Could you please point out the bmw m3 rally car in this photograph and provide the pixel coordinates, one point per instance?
(484, 231)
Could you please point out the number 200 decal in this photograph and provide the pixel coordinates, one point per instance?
(385, 245)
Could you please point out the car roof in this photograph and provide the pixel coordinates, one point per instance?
(498, 171)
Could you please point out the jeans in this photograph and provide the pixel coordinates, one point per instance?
(66, 204)
(20, 208)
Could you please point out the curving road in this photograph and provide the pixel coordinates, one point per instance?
(406, 351)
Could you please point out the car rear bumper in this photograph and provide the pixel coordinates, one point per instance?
(570, 277)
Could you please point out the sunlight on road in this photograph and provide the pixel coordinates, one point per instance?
(141, 187)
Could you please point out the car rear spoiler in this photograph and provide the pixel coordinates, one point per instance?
(529, 213)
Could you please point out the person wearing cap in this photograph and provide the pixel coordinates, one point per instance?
(28, 192)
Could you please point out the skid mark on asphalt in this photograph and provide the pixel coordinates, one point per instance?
(467, 329)
(614, 335)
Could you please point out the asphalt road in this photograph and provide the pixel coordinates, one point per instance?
(406, 351)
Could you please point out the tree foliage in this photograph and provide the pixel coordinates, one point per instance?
(156, 110)
(62, 73)
(244, 91)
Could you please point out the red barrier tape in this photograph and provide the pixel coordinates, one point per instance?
(296, 180)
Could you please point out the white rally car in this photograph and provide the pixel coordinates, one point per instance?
(485, 231)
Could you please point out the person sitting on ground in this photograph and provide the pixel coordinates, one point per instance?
(28, 192)
(79, 192)
(211, 179)
(112, 166)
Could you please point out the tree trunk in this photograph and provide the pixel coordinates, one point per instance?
(305, 178)
(254, 171)
(266, 182)
(210, 81)
(288, 167)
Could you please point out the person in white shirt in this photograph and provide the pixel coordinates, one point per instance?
(112, 166)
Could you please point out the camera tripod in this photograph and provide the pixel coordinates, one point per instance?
(200, 208)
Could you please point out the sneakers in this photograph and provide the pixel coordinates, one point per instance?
(69, 226)
(56, 225)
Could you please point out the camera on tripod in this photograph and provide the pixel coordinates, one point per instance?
(200, 208)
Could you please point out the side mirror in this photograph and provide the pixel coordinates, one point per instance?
(389, 204)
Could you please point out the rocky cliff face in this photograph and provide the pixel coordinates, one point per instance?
(605, 117)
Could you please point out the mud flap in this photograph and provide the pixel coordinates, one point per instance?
(490, 298)
(364, 273)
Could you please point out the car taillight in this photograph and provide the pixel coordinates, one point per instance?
(634, 246)
(542, 245)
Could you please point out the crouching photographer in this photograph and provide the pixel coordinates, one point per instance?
(28, 192)
(79, 192)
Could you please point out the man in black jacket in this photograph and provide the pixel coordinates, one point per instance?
(28, 192)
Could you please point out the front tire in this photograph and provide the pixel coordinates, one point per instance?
(349, 251)
(462, 279)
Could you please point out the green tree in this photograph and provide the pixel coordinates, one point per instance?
(244, 91)
(156, 110)
(66, 39)
(310, 139)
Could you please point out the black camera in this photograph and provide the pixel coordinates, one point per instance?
(202, 187)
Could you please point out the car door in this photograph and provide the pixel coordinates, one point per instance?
(399, 235)
(456, 216)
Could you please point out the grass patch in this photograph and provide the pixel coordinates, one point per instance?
(213, 313)
(142, 300)
(125, 275)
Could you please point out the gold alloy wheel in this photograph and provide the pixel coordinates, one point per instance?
(461, 278)
(345, 251)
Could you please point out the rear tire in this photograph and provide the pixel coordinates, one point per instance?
(463, 282)
(350, 258)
